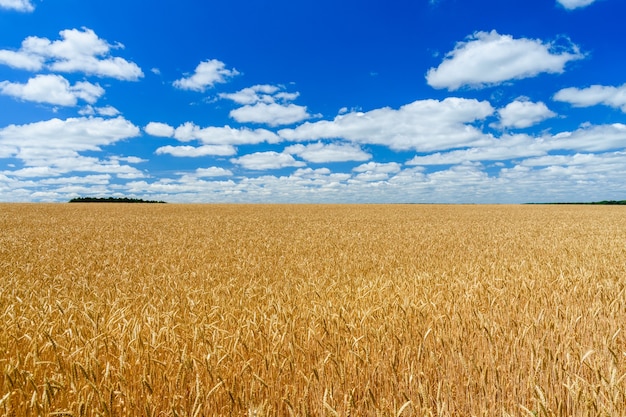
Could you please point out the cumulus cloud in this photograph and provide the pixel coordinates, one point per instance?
(196, 151)
(259, 161)
(207, 74)
(488, 58)
(266, 104)
(332, 152)
(574, 4)
(504, 148)
(212, 172)
(76, 134)
(522, 113)
(424, 125)
(374, 171)
(18, 5)
(272, 114)
(224, 135)
(377, 167)
(159, 129)
(77, 51)
(219, 141)
(52, 89)
(593, 95)
(590, 138)
(52, 147)
(108, 111)
(258, 93)
(21, 60)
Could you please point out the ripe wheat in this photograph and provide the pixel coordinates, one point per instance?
(280, 310)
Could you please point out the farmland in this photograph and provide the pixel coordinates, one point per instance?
(296, 310)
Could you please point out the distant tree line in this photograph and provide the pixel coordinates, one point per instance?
(598, 203)
(112, 200)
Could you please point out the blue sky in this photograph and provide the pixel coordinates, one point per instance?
(343, 101)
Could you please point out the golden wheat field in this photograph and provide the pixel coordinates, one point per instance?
(312, 310)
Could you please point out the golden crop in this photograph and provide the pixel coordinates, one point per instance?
(289, 310)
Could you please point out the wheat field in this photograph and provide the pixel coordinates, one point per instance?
(312, 310)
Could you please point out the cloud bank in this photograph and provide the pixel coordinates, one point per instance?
(488, 58)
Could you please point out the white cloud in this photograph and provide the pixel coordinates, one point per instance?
(76, 134)
(590, 138)
(108, 111)
(374, 171)
(52, 147)
(58, 165)
(19, 5)
(490, 58)
(224, 135)
(272, 114)
(196, 151)
(21, 60)
(129, 159)
(321, 153)
(101, 179)
(602, 159)
(424, 125)
(311, 173)
(593, 95)
(266, 104)
(267, 160)
(377, 167)
(504, 148)
(251, 95)
(77, 51)
(207, 74)
(159, 129)
(522, 113)
(212, 172)
(574, 4)
(52, 89)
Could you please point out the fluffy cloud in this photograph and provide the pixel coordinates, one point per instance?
(266, 104)
(109, 111)
(207, 74)
(523, 113)
(19, 5)
(574, 4)
(53, 89)
(490, 58)
(77, 163)
(76, 134)
(196, 151)
(159, 129)
(374, 171)
(596, 94)
(251, 95)
(424, 125)
(387, 168)
(267, 160)
(52, 147)
(590, 138)
(22, 59)
(212, 172)
(506, 147)
(224, 135)
(77, 51)
(321, 153)
(272, 114)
